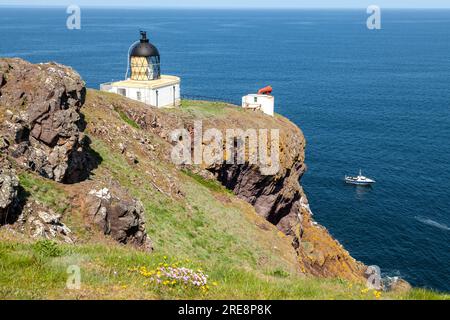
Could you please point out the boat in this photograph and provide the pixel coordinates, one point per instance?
(359, 180)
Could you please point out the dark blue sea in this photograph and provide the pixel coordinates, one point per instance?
(376, 100)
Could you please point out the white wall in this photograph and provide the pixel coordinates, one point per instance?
(166, 96)
(265, 103)
(169, 96)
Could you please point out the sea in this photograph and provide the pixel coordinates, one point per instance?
(375, 100)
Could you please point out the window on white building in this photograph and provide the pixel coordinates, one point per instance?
(138, 95)
(122, 92)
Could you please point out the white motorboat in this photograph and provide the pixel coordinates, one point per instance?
(359, 180)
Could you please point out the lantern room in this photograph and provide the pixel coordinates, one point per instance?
(143, 80)
(144, 60)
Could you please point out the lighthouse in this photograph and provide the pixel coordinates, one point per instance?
(143, 80)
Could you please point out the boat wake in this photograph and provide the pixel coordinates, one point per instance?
(432, 223)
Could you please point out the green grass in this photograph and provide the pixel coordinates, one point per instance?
(204, 109)
(199, 226)
(206, 230)
(105, 273)
(44, 191)
(212, 185)
(126, 119)
(47, 249)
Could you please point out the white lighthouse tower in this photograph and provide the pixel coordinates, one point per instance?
(145, 82)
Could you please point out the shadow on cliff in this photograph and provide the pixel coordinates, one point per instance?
(13, 213)
(82, 163)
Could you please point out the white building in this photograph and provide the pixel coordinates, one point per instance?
(257, 101)
(146, 84)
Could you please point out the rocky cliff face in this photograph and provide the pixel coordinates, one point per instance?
(9, 184)
(118, 215)
(42, 122)
(42, 130)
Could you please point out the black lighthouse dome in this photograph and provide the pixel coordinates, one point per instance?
(145, 60)
(144, 48)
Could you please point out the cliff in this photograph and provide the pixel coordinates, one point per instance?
(278, 198)
(87, 179)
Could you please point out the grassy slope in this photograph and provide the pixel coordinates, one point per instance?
(206, 228)
(29, 273)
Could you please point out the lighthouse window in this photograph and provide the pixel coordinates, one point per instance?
(255, 99)
(122, 92)
(138, 95)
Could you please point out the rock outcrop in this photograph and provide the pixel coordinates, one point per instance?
(276, 198)
(43, 126)
(41, 222)
(41, 129)
(9, 184)
(396, 285)
(118, 215)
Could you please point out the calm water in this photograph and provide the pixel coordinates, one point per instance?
(376, 100)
